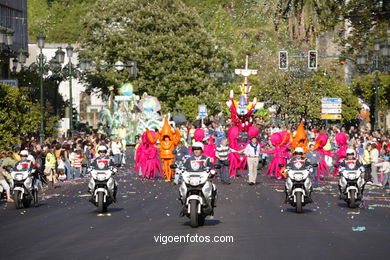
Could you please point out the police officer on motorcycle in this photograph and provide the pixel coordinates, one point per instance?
(350, 163)
(197, 163)
(297, 162)
(350, 160)
(297, 157)
(26, 158)
(103, 156)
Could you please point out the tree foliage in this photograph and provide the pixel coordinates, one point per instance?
(18, 116)
(364, 87)
(295, 97)
(175, 54)
(60, 20)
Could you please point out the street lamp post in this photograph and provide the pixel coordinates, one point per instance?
(41, 60)
(69, 53)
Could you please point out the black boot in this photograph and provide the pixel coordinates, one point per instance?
(114, 193)
(286, 200)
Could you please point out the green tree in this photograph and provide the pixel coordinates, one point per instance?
(296, 97)
(175, 53)
(18, 116)
(305, 16)
(364, 87)
(60, 20)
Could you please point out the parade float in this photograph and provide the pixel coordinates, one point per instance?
(128, 115)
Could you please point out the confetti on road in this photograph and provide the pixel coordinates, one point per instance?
(104, 215)
(359, 229)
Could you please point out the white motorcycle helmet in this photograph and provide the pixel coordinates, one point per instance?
(198, 145)
(298, 150)
(102, 148)
(24, 153)
(350, 152)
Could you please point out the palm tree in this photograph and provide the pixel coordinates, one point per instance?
(303, 17)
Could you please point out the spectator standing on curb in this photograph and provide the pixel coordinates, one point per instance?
(50, 167)
(374, 154)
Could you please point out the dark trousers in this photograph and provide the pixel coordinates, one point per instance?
(225, 175)
(367, 173)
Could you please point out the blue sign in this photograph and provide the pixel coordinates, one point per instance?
(331, 100)
(10, 82)
(202, 111)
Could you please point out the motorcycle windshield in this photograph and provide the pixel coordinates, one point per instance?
(23, 166)
(103, 164)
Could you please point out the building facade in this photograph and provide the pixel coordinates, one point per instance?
(87, 105)
(13, 21)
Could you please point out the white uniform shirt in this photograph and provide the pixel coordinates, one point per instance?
(251, 151)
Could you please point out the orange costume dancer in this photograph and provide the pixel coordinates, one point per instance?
(300, 139)
(169, 138)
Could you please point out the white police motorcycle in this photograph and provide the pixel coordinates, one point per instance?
(25, 188)
(298, 186)
(351, 183)
(197, 194)
(102, 186)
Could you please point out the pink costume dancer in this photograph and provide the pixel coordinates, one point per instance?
(139, 155)
(321, 141)
(237, 160)
(341, 140)
(279, 141)
(148, 162)
(210, 149)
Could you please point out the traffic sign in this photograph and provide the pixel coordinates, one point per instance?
(245, 72)
(331, 100)
(331, 105)
(331, 111)
(10, 82)
(202, 111)
(331, 116)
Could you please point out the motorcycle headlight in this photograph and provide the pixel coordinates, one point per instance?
(19, 176)
(195, 179)
(298, 175)
(101, 175)
(351, 175)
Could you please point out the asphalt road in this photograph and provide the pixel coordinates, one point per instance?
(67, 226)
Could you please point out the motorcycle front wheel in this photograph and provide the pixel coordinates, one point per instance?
(101, 207)
(298, 204)
(35, 198)
(17, 200)
(352, 199)
(26, 202)
(194, 221)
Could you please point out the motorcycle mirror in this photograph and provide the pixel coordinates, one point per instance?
(281, 165)
(315, 165)
(173, 166)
